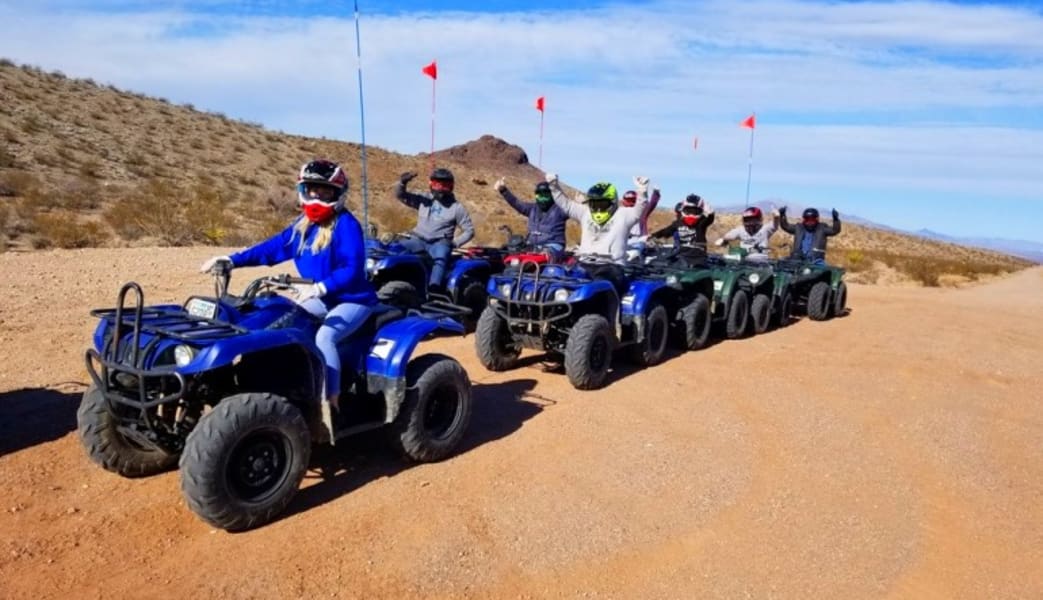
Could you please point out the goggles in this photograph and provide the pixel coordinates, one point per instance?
(317, 192)
(438, 185)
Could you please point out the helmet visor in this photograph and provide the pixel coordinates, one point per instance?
(311, 191)
(599, 204)
(439, 185)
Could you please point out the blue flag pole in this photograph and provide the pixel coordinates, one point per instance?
(362, 118)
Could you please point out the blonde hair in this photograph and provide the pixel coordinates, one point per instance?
(323, 236)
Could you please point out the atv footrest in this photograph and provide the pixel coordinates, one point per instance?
(444, 309)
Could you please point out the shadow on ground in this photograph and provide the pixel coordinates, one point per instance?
(498, 410)
(32, 416)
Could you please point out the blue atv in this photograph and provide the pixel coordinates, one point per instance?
(576, 316)
(230, 388)
(401, 276)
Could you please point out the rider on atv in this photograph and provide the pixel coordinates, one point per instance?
(546, 221)
(605, 224)
(639, 232)
(693, 216)
(809, 240)
(754, 234)
(438, 216)
(326, 245)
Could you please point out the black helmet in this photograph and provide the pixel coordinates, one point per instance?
(542, 189)
(441, 184)
(810, 217)
(324, 173)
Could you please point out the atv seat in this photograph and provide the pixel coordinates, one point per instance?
(381, 315)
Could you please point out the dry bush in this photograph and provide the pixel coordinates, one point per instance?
(159, 209)
(19, 183)
(79, 194)
(90, 168)
(7, 158)
(205, 215)
(5, 217)
(64, 230)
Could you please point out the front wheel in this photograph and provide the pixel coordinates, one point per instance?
(650, 350)
(496, 348)
(693, 323)
(400, 294)
(840, 300)
(436, 410)
(588, 352)
(245, 460)
(474, 297)
(784, 312)
(760, 313)
(112, 450)
(818, 302)
(738, 314)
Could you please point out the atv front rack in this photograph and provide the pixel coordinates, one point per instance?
(518, 310)
(124, 359)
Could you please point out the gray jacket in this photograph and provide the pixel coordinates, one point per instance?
(608, 239)
(436, 221)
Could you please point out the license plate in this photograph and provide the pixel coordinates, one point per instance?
(199, 307)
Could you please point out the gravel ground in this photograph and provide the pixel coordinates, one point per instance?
(895, 452)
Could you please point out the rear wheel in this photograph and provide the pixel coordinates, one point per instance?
(106, 446)
(496, 348)
(245, 460)
(760, 313)
(588, 352)
(818, 301)
(840, 300)
(738, 314)
(693, 323)
(650, 350)
(436, 411)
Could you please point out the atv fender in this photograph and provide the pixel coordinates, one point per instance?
(227, 350)
(390, 352)
(474, 268)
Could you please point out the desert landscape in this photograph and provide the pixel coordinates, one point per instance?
(892, 452)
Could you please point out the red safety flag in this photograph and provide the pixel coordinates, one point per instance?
(750, 122)
(539, 104)
(431, 70)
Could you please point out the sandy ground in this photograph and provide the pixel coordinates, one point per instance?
(895, 452)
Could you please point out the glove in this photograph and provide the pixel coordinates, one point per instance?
(406, 177)
(775, 212)
(836, 215)
(552, 178)
(500, 185)
(641, 182)
(212, 262)
(719, 242)
(307, 291)
(782, 211)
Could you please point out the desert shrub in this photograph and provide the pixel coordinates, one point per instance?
(19, 182)
(79, 194)
(7, 158)
(160, 210)
(63, 230)
(31, 124)
(90, 168)
(925, 271)
(11, 137)
(205, 216)
(5, 217)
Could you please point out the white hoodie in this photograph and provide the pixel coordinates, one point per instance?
(609, 239)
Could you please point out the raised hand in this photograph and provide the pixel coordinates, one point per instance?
(406, 177)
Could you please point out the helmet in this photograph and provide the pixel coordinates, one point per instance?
(543, 195)
(752, 218)
(810, 217)
(441, 182)
(321, 174)
(602, 201)
(691, 209)
(629, 198)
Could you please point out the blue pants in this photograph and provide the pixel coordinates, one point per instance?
(438, 250)
(338, 323)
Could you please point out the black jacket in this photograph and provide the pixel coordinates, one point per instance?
(685, 236)
(820, 233)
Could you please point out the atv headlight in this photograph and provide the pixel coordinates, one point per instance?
(718, 285)
(754, 278)
(514, 262)
(371, 263)
(183, 354)
(807, 270)
(671, 280)
(561, 295)
(505, 290)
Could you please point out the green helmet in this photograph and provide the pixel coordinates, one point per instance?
(602, 200)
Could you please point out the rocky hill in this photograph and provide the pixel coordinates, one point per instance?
(84, 164)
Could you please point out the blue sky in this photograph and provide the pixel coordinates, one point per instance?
(912, 114)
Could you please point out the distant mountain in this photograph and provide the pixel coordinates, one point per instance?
(1025, 249)
(793, 211)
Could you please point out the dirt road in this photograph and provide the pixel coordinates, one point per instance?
(895, 452)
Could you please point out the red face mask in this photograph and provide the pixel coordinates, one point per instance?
(690, 220)
(318, 212)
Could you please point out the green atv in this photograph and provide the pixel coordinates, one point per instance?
(747, 297)
(817, 290)
(693, 282)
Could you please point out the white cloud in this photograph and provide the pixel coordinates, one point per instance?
(870, 95)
